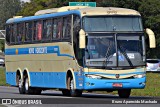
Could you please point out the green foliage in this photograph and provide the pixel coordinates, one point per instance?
(152, 86)
(2, 45)
(2, 77)
(8, 8)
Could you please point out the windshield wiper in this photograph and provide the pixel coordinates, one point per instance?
(106, 61)
(124, 54)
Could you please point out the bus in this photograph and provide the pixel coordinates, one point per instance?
(77, 48)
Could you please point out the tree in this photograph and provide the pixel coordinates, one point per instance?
(151, 18)
(8, 9)
(32, 7)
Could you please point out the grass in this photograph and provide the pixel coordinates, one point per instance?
(152, 85)
(2, 77)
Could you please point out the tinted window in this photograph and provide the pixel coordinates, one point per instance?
(28, 31)
(55, 29)
(37, 30)
(47, 32)
(66, 27)
(112, 23)
(8, 33)
(14, 33)
(20, 33)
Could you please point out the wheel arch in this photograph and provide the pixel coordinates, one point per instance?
(70, 72)
(26, 73)
(18, 73)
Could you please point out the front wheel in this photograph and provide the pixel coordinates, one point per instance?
(124, 93)
(73, 92)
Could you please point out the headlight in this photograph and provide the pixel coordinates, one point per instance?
(139, 75)
(94, 76)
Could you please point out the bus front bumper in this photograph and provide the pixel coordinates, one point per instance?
(102, 84)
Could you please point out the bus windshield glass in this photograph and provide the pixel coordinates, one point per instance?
(130, 50)
(112, 23)
(101, 50)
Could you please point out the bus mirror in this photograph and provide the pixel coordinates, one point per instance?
(152, 40)
(82, 39)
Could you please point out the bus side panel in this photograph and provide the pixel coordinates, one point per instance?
(48, 79)
(11, 78)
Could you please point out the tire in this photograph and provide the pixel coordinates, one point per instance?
(20, 85)
(124, 93)
(28, 89)
(73, 92)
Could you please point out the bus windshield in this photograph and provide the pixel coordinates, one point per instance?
(101, 50)
(112, 23)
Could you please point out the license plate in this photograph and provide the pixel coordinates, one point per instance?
(117, 85)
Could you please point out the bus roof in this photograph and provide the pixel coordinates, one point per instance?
(80, 10)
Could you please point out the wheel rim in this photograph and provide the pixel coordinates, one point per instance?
(72, 86)
(26, 84)
(20, 83)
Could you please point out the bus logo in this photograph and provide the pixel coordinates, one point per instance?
(117, 76)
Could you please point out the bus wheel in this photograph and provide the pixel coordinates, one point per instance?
(124, 93)
(73, 92)
(21, 85)
(28, 90)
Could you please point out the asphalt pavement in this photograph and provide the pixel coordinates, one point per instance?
(54, 98)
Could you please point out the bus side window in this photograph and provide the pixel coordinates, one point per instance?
(8, 33)
(66, 27)
(38, 30)
(47, 25)
(34, 31)
(14, 33)
(20, 34)
(59, 28)
(28, 31)
(55, 27)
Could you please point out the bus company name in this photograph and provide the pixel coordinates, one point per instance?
(39, 50)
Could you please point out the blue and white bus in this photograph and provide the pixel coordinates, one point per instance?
(77, 48)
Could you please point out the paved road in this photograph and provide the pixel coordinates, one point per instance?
(56, 98)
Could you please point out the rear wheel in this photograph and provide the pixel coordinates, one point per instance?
(73, 92)
(28, 89)
(124, 93)
(20, 85)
